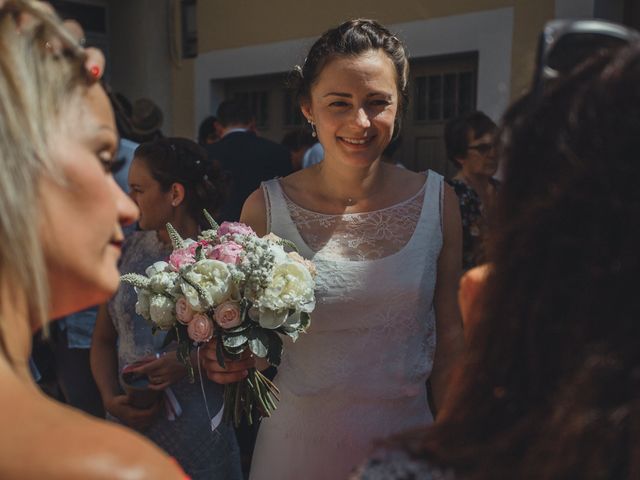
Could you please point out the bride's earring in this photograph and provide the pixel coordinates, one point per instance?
(314, 134)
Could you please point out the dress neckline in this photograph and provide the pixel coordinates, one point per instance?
(333, 215)
(317, 255)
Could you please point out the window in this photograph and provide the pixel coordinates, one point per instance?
(292, 114)
(258, 102)
(442, 96)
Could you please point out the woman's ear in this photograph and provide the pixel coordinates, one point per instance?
(305, 106)
(177, 194)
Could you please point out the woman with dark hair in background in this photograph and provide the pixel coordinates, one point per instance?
(469, 140)
(386, 243)
(171, 180)
(550, 385)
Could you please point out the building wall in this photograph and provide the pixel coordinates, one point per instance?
(251, 37)
(140, 59)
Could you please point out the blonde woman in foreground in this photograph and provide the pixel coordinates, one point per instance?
(60, 216)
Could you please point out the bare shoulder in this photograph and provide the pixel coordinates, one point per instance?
(254, 212)
(43, 439)
(404, 180)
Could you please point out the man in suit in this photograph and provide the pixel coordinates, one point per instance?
(246, 158)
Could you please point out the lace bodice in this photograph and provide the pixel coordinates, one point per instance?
(359, 373)
(360, 236)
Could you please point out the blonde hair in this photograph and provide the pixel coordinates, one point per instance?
(41, 73)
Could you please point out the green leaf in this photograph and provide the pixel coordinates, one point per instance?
(172, 336)
(275, 348)
(200, 253)
(305, 321)
(259, 342)
(291, 332)
(220, 354)
(233, 341)
(183, 354)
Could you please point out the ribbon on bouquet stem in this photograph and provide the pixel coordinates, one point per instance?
(215, 420)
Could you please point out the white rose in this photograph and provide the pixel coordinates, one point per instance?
(291, 287)
(162, 312)
(143, 303)
(157, 267)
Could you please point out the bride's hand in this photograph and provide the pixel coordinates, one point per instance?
(232, 372)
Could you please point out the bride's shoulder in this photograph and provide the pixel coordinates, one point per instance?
(44, 439)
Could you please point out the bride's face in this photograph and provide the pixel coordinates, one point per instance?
(354, 103)
(80, 227)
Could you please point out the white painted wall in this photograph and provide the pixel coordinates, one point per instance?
(488, 32)
(574, 8)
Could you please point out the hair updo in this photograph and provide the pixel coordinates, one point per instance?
(352, 38)
(180, 160)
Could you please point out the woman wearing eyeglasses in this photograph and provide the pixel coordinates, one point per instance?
(469, 142)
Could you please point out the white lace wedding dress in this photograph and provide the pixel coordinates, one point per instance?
(359, 373)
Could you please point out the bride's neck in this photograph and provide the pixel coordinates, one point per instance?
(350, 185)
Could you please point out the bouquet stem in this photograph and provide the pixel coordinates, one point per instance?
(255, 391)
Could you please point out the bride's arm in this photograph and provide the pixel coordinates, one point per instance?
(449, 343)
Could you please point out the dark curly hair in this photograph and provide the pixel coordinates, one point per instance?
(180, 160)
(550, 384)
(352, 38)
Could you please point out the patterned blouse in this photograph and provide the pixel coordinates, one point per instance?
(473, 222)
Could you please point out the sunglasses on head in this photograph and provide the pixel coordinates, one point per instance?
(565, 44)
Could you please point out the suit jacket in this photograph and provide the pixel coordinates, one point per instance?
(248, 160)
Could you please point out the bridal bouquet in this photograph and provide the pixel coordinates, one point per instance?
(243, 290)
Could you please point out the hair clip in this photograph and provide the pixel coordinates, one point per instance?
(95, 72)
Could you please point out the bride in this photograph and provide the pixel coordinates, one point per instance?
(386, 243)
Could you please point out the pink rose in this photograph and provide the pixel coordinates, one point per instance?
(200, 328)
(187, 255)
(235, 228)
(227, 252)
(228, 315)
(184, 312)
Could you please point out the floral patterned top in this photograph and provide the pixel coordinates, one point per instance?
(473, 222)
(397, 465)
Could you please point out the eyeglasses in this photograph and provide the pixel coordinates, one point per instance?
(482, 148)
(565, 44)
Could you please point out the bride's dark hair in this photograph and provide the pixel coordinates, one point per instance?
(352, 38)
(550, 384)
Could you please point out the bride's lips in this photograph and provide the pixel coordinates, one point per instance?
(355, 142)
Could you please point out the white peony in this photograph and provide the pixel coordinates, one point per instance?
(163, 282)
(214, 278)
(143, 303)
(156, 268)
(291, 287)
(162, 311)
